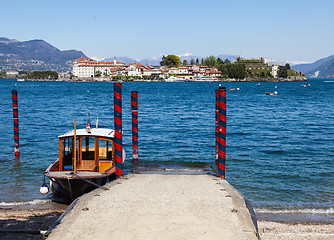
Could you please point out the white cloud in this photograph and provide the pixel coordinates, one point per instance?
(273, 61)
(185, 55)
(296, 62)
(97, 59)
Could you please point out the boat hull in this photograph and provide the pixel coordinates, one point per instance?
(71, 187)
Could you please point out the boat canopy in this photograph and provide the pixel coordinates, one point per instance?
(94, 132)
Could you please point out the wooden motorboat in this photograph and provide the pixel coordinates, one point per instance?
(89, 166)
(270, 93)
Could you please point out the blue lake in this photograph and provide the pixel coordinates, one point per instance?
(280, 149)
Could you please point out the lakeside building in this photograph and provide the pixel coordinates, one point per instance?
(83, 67)
(274, 70)
(259, 65)
(12, 73)
(88, 68)
(254, 64)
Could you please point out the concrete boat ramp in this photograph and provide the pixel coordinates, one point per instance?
(158, 206)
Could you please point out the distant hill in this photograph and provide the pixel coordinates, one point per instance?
(40, 55)
(322, 68)
(225, 56)
(126, 60)
(7, 40)
(35, 55)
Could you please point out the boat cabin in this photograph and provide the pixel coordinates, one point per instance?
(95, 151)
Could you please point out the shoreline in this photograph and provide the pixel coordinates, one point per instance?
(315, 218)
(282, 216)
(295, 230)
(159, 80)
(33, 220)
(26, 224)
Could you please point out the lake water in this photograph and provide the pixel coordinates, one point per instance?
(280, 149)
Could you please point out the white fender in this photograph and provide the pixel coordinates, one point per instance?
(123, 155)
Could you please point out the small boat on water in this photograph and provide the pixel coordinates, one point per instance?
(270, 93)
(175, 79)
(84, 164)
(205, 79)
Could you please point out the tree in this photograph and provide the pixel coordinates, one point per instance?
(224, 69)
(98, 73)
(171, 61)
(42, 75)
(282, 72)
(287, 66)
(192, 61)
(185, 63)
(210, 61)
(162, 60)
(227, 61)
(197, 61)
(2, 74)
(237, 71)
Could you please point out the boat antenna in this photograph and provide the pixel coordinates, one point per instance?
(88, 128)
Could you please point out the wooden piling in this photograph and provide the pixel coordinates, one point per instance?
(222, 131)
(118, 128)
(134, 109)
(16, 123)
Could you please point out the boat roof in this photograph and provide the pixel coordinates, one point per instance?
(94, 132)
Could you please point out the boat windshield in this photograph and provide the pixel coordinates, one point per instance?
(67, 151)
(92, 154)
(105, 150)
(88, 148)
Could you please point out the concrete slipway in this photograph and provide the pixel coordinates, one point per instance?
(157, 206)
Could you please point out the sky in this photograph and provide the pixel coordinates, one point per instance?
(287, 30)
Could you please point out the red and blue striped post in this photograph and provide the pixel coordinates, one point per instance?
(118, 128)
(217, 127)
(134, 109)
(222, 131)
(16, 124)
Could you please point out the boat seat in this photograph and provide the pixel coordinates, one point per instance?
(68, 167)
(87, 166)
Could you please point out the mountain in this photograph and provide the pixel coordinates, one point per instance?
(126, 60)
(40, 55)
(225, 56)
(35, 55)
(322, 68)
(7, 40)
(154, 61)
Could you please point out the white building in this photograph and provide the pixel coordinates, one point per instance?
(173, 70)
(83, 67)
(274, 70)
(12, 73)
(135, 69)
(183, 70)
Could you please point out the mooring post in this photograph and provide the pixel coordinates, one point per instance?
(134, 109)
(16, 123)
(222, 131)
(217, 128)
(118, 128)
